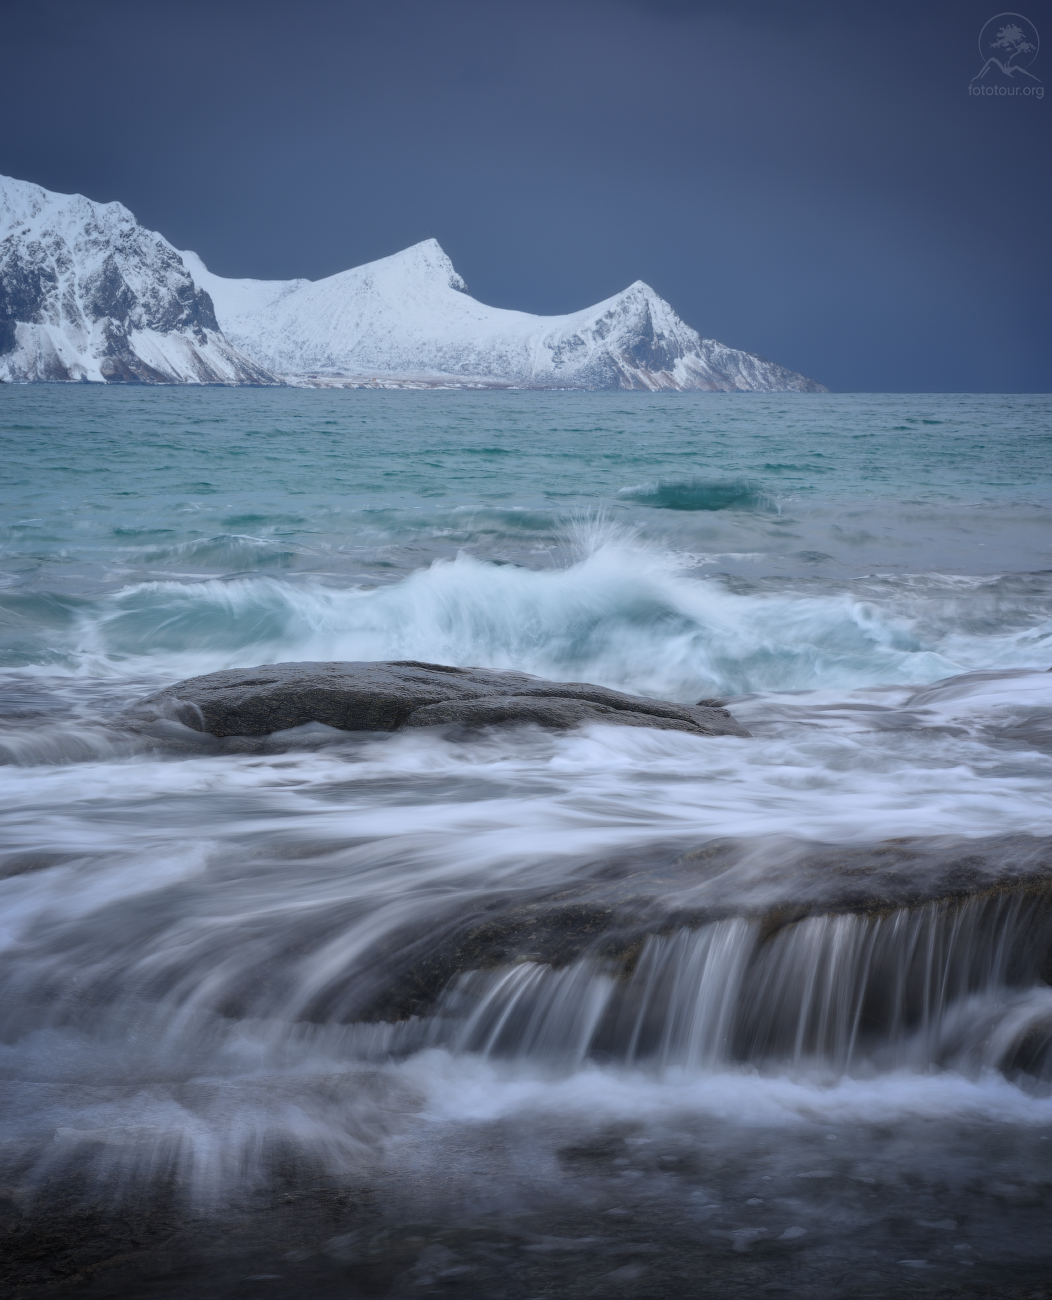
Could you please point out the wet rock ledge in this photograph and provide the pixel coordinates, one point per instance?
(405, 693)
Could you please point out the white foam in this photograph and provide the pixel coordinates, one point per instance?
(623, 616)
(468, 1089)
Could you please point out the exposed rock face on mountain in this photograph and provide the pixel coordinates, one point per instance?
(390, 696)
(87, 294)
(408, 319)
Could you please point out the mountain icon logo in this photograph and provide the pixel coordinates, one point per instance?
(1009, 44)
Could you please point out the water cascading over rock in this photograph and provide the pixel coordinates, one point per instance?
(955, 983)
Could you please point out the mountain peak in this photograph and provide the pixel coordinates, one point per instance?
(24, 204)
(426, 261)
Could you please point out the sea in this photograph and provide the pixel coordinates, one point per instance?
(517, 1013)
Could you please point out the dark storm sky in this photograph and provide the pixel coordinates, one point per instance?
(808, 180)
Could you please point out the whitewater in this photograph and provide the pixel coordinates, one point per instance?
(517, 1012)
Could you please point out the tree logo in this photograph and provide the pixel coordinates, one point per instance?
(1009, 44)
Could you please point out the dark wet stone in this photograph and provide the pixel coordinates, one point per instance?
(389, 696)
(553, 712)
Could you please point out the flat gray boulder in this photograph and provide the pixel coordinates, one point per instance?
(390, 696)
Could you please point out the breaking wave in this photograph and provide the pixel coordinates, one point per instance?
(621, 615)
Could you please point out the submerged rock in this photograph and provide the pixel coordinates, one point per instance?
(986, 903)
(389, 696)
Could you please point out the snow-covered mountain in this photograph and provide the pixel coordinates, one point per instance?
(87, 294)
(408, 319)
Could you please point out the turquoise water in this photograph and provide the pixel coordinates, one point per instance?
(669, 544)
(191, 936)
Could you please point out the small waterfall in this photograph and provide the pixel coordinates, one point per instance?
(680, 1005)
(535, 1011)
(951, 984)
(834, 988)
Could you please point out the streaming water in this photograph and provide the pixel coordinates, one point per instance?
(523, 1013)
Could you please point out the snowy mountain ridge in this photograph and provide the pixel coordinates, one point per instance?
(88, 294)
(409, 319)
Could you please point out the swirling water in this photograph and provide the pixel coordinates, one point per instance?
(227, 971)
